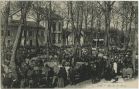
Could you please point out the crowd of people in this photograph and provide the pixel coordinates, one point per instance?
(38, 73)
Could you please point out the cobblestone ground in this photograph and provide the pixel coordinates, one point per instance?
(121, 83)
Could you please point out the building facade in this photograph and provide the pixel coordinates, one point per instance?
(29, 34)
(30, 30)
(55, 31)
(87, 38)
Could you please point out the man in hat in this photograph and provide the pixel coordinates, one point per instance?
(36, 77)
(93, 72)
(72, 75)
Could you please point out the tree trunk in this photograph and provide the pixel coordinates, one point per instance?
(106, 32)
(66, 36)
(122, 29)
(15, 46)
(80, 27)
(86, 15)
(108, 8)
(98, 33)
(130, 24)
(46, 37)
(77, 31)
(92, 26)
(72, 22)
(5, 28)
(25, 34)
(37, 31)
(38, 22)
(71, 16)
(49, 24)
(49, 34)
(86, 19)
(18, 40)
(135, 41)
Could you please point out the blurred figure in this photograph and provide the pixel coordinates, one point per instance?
(29, 77)
(61, 76)
(50, 77)
(72, 75)
(45, 71)
(98, 69)
(8, 80)
(108, 72)
(56, 70)
(129, 72)
(93, 72)
(36, 77)
(124, 72)
(115, 67)
(115, 70)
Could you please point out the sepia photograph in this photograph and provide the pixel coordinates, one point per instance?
(69, 44)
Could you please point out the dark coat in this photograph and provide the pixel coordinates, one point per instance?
(72, 74)
(62, 76)
(62, 73)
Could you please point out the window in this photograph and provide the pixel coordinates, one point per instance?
(59, 38)
(30, 33)
(30, 42)
(8, 32)
(2, 32)
(59, 26)
(54, 26)
(42, 33)
(2, 26)
(54, 38)
(8, 42)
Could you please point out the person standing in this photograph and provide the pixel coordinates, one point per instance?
(56, 70)
(98, 70)
(65, 74)
(93, 72)
(108, 74)
(29, 77)
(115, 70)
(119, 67)
(45, 71)
(60, 83)
(36, 77)
(115, 67)
(50, 77)
(72, 75)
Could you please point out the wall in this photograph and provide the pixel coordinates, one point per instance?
(57, 33)
(13, 32)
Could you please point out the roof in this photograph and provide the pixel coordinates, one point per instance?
(29, 24)
(55, 16)
(43, 11)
